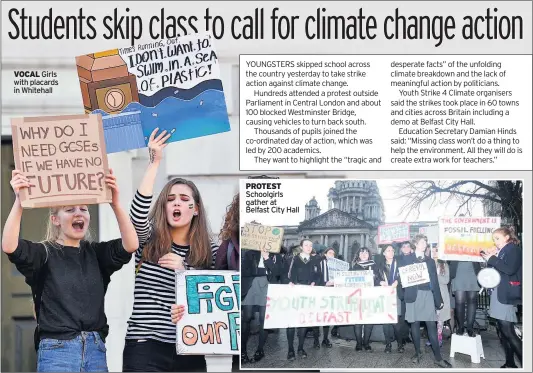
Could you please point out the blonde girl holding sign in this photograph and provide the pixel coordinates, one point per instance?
(69, 276)
(173, 236)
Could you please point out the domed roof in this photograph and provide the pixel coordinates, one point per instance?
(312, 202)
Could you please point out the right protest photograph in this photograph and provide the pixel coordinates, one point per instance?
(386, 273)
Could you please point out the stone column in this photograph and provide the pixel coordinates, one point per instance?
(341, 244)
(347, 245)
(326, 240)
(322, 239)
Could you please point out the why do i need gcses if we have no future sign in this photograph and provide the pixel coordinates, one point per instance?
(64, 159)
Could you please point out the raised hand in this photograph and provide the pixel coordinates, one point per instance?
(111, 182)
(156, 144)
(18, 181)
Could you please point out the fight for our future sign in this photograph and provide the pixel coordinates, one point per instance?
(64, 159)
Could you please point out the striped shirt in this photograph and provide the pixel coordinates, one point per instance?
(155, 286)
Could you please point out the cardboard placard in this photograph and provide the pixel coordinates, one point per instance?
(335, 266)
(431, 232)
(462, 238)
(256, 237)
(304, 306)
(64, 158)
(390, 233)
(354, 279)
(414, 274)
(211, 322)
(171, 84)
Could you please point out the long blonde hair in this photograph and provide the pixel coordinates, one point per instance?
(160, 241)
(53, 232)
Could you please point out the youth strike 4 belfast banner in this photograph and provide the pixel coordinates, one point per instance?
(303, 306)
(211, 323)
(463, 238)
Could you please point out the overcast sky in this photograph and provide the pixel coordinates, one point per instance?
(319, 189)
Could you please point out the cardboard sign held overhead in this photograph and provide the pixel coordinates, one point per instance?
(64, 158)
(390, 233)
(256, 237)
(211, 322)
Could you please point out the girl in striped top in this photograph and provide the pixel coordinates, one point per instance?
(173, 236)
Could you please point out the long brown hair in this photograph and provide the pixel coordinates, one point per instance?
(231, 220)
(160, 241)
(508, 231)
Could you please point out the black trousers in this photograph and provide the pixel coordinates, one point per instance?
(365, 341)
(155, 356)
(247, 316)
(393, 331)
(432, 336)
(301, 337)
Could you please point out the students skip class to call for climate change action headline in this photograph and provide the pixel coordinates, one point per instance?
(508, 262)
(69, 276)
(172, 236)
(422, 302)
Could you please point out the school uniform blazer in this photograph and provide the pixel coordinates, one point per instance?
(508, 263)
(453, 264)
(409, 294)
(250, 270)
(301, 273)
(376, 270)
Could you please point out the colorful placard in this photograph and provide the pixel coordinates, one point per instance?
(390, 233)
(211, 323)
(171, 84)
(63, 157)
(462, 238)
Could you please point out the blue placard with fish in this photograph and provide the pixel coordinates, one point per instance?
(172, 84)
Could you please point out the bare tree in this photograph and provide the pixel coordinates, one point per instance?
(506, 195)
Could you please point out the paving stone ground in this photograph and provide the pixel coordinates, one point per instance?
(343, 355)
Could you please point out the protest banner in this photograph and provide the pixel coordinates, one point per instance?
(414, 274)
(211, 322)
(354, 279)
(336, 265)
(390, 233)
(171, 84)
(303, 306)
(256, 237)
(462, 238)
(431, 232)
(64, 159)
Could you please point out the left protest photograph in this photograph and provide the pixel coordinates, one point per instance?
(101, 171)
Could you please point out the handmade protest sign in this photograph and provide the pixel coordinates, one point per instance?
(258, 237)
(354, 279)
(335, 266)
(414, 274)
(302, 306)
(211, 323)
(390, 233)
(431, 232)
(462, 238)
(171, 84)
(64, 159)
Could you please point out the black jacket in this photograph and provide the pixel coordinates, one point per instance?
(301, 273)
(375, 269)
(249, 268)
(453, 264)
(324, 271)
(409, 294)
(508, 263)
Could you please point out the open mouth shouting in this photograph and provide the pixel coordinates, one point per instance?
(78, 225)
(176, 215)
